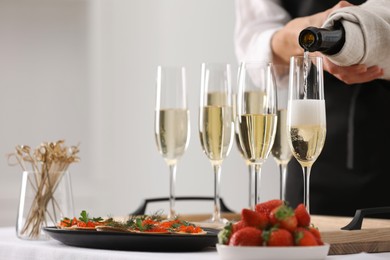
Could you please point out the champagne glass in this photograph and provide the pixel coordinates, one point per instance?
(239, 148)
(216, 126)
(306, 119)
(281, 150)
(256, 116)
(172, 123)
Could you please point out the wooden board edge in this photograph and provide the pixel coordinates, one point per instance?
(358, 247)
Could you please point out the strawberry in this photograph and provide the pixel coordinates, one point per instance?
(247, 236)
(225, 234)
(254, 219)
(302, 215)
(304, 237)
(316, 234)
(284, 217)
(267, 206)
(238, 225)
(278, 237)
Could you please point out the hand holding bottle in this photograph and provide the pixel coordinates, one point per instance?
(284, 43)
(330, 41)
(358, 73)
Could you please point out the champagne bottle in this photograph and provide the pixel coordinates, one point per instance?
(326, 40)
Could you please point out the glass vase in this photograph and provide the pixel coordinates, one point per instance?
(44, 200)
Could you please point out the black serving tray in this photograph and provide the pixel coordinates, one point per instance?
(134, 241)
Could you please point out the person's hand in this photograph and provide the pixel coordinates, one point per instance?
(284, 42)
(358, 73)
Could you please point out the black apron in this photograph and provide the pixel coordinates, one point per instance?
(352, 171)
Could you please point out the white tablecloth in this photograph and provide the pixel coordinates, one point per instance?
(12, 248)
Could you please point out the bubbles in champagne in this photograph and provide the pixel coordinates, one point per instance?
(257, 134)
(172, 132)
(216, 131)
(307, 142)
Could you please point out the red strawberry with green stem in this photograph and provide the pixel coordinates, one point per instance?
(254, 219)
(225, 234)
(284, 217)
(247, 236)
(304, 237)
(268, 206)
(238, 225)
(302, 215)
(278, 237)
(316, 234)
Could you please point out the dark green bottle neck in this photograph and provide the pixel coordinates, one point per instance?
(326, 40)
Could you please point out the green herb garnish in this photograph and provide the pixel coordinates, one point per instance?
(84, 217)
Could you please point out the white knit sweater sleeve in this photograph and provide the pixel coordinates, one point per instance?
(367, 35)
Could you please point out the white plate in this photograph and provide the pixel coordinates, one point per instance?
(258, 252)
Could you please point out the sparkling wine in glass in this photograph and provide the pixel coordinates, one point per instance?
(306, 118)
(172, 122)
(256, 116)
(216, 126)
(281, 150)
(240, 150)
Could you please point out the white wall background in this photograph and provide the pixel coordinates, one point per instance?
(84, 71)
